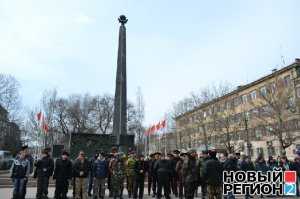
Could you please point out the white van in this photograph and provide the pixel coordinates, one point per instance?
(6, 159)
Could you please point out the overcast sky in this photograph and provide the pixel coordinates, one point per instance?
(173, 47)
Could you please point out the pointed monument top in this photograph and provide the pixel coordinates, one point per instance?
(122, 19)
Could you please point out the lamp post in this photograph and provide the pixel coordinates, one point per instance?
(248, 143)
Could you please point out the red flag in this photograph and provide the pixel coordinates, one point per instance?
(39, 116)
(152, 129)
(46, 128)
(158, 126)
(163, 124)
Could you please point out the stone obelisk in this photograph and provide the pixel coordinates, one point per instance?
(120, 104)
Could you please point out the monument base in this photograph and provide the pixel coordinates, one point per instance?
(92, 143)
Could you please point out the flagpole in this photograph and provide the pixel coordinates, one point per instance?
(164, 133)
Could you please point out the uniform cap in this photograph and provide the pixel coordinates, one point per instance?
(176, 151)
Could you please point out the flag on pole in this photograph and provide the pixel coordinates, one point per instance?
(39, 116)
(157, 126)
(163, 124)
(44, 125)
(152, 131)
(46, 128)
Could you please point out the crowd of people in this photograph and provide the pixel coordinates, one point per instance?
(177, 173)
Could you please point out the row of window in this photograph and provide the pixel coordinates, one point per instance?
(244, 99)
(253, 133)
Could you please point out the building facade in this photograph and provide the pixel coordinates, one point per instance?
(259, 118)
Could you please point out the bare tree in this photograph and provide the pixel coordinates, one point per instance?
(275, 109)
(103, 113)
(9, 95)
(140, 115)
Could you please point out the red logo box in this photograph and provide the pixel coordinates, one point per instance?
(290, 177)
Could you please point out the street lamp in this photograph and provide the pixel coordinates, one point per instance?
(248, 143)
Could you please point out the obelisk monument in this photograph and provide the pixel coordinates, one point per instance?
(120, 103)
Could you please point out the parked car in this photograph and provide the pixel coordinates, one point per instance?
(6, 159)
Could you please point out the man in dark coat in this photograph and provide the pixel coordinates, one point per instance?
(30, 159)
(163, 170)
(174, 181)
(246, 165)
(203, 158)
(91, 181)
(231, 164)
(179, 174)
(190, 170)
(140, 170)
(149, 165)
(44, 170)
(62, 175)
(212, 173)
(157, 157)
(81, 169)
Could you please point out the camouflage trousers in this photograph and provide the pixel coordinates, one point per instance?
(117, 185)
(214, 192)
(130, 181)
(81, 186)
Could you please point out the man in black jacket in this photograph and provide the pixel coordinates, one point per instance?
(203, 158)
(62, 173)
(149, 165)
(139, 170)
(44, 170)
(81, 169)
(30, 159)
(91, 181)
(212, 172)
(157, 156)
(174, 182)
(163, 170)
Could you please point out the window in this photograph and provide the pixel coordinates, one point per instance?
(244, 99)
(257, 134)
(260, 151)
(291, 102)
(273, 87)
(298, 92)
(263, 91)
(271, 151)
(287, 80)
(237, 101)
(253, 95)
(298, 71)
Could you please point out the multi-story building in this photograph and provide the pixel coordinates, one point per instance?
(261, 117)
